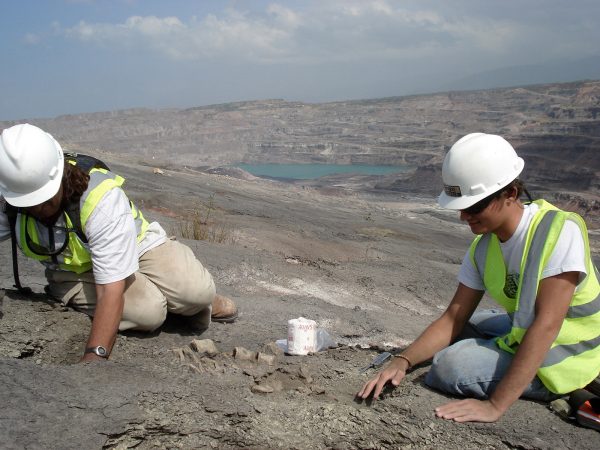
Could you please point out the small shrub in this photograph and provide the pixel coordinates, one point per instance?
(203, 225)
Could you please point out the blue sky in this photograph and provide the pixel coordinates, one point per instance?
(75, 56)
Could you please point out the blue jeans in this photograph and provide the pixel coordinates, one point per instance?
(472, 367)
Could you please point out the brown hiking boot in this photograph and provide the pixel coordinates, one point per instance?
(223, 310)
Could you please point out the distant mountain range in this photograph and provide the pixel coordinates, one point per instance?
(552, 72)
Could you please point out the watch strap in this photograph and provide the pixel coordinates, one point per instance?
(98, 350)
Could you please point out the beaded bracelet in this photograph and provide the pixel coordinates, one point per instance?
(405, 359)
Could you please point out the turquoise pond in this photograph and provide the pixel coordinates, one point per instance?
(311, 171)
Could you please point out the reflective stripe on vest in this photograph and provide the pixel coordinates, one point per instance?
(76, 257)
(574, 357)
(99, 186)
(528, 285)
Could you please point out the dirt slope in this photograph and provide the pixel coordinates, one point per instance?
(371, 270)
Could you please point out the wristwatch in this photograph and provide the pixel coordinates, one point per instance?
(98, 350)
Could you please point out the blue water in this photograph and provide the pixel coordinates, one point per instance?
(311, 171)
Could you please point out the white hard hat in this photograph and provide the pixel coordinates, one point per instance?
(476, 166)
(31, 165)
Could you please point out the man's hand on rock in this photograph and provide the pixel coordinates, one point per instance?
(469, 410)
(393, 373)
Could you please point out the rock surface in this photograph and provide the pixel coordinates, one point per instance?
(371, 270)
(372, 260)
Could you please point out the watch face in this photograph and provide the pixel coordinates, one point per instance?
(98, 350)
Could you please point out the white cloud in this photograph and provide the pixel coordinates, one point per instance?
(31, 39)
(324, 31)
(284, 16)
(234, 35)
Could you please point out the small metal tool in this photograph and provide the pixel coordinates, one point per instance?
(377, 361)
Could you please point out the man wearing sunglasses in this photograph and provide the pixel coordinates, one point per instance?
(101, 255)
(534, 260)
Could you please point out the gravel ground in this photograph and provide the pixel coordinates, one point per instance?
(371, 270)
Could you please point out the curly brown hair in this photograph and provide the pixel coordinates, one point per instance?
(75, 182)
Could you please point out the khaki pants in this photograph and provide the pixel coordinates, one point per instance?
(170, 279)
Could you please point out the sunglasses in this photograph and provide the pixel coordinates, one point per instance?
(481, 204)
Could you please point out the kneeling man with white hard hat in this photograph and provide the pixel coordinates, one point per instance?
(534, 260)
(101, 255)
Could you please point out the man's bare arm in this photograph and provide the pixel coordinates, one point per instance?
(109, 310)
(436, 336)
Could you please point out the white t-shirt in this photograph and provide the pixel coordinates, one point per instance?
(568, 255)
(112, 237)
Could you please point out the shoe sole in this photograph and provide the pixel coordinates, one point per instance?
(226, 319)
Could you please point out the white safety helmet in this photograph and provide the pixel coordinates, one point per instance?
(31, 165)
(476, 166)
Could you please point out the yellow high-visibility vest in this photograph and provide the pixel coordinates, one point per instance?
(573, 360)
(76, 257)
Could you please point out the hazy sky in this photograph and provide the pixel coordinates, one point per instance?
(71, 56)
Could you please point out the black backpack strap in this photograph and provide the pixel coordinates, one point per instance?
(11, 212)
(73, 210)
(86, 163)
